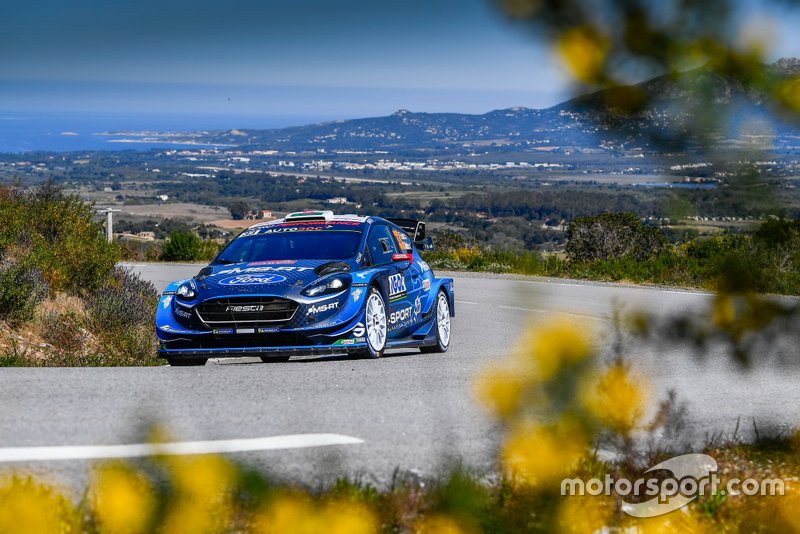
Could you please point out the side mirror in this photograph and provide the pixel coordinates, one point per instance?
(426, 244)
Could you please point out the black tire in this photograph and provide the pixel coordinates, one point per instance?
(441, 344)
(378, 320)
(275, 359)
(187, 362)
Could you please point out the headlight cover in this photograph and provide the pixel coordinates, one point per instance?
(327, 286)
(186, 291)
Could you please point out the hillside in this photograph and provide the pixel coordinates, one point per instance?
(616, 116)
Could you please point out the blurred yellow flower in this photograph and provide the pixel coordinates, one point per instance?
(583, 51)
(33, 508)
(501, 390)
(788, 93)
(122, 499)
(585, 514)
(615, 398)
(723, 311)
(204, 478)
(683, 520)
(438, 524)
(553, 345)
(789, 508)
(539, 454)
(203, 487)
(298, 515)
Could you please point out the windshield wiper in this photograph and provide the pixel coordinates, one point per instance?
(222, 262)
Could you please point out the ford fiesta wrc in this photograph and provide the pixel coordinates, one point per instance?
(310, 283)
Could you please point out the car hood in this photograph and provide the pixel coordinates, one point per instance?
(265, 277)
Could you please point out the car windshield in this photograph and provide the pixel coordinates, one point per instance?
(291, 244)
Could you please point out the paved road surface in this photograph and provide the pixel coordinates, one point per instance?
(411, 410)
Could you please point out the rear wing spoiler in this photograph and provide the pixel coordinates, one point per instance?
(415, 230)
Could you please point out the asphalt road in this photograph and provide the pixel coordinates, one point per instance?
(410, 410)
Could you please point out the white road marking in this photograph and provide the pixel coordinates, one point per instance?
(465, 302)
(138, 450)
(554, 312)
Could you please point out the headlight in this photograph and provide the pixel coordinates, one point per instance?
(186, 291)
(324, 287)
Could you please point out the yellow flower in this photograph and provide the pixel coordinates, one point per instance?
(298, 515)
(789, 509)
(553, 346)
(615, 398)
(583, 52)
(122, 499)
(788, 93)
(204, 478)
(348, 518)
(203, 487)
(34, 508)
(501, 390)
(683, 520)
(585, 514)
(539, 454)
(723, 311)
(438, 524)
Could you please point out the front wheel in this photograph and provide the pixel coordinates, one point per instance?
(376, 324)
(442, 325)
(186, 362)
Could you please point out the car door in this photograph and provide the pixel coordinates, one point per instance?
(396, 283)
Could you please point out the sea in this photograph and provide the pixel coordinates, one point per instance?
(77, 131)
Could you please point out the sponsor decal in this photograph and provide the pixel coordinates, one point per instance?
(322, 308)
(357, 293)
(361, 275)
(272, 262)
(166, 302)
(245, 330)
(359, 330)
(252, 279)
(417, 306)
(423, 266)
(269, 330)
(165, 293)
(183, 313)
(397, 286)
(267, 269)
(253, 308)
(400, 317)
(168, 328)
(426, 284)
(225, 331)
(310, 226)
(352, 341)
(359, 257)
(360, 284)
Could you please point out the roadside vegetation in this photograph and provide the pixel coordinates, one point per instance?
(557, 404)
(63, 300)
(618, 247)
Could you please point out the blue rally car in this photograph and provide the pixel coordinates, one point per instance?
(310, 283)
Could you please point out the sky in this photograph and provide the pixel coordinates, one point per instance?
(296, 60)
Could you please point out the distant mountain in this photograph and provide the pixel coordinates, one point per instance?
(585, 121)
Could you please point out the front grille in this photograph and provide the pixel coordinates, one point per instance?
(246, 312)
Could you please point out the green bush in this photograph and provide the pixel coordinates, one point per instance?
(22, 288)
(56, 235)
(613, 235)
(186, 246)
